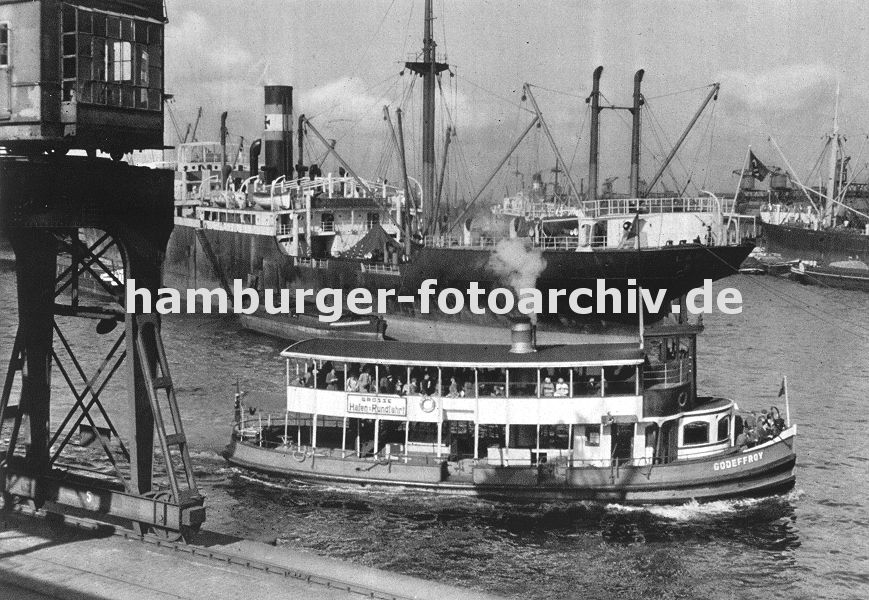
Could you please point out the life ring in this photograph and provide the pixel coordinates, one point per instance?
(627, 225)
(427, 404)
(683, 399)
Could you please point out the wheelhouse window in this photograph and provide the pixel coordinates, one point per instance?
(695, 433)
(723, 429)
(112, 60)
(4, 45)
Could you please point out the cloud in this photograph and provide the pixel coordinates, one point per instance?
(784, 87)
(200, 52)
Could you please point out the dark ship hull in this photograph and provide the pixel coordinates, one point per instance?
(826, 245)
(258, 261)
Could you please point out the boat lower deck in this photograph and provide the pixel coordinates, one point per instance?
(760, 470)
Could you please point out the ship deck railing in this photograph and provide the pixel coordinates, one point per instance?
(530, 208)
(673, 372)
(561, 242)
(315, 263)
(380, 268)
(291, 194)
(491, 456)
(447, 241)
(331, 187)
(630, 206)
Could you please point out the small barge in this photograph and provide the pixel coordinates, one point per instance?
(608, 422)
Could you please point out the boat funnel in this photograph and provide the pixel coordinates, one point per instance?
(278, 131)
(523, 337)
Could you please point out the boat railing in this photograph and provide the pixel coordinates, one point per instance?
(333, 187)
(446, 241)
(522, 206)
(206, 156)
(561, 242)
(673, 372)
(379, 268)
(314, 263)
(630, 206)
(271, 433)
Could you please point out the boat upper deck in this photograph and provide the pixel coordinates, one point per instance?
(465, 355)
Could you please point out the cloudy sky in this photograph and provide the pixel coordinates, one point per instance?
(778, 64)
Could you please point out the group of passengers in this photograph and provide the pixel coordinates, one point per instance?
(757, 429)
(452, 382)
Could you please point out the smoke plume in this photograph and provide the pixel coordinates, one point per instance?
(517, 265)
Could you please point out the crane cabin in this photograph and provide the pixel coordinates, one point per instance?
(81, 75)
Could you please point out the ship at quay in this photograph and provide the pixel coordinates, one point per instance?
(289, 225)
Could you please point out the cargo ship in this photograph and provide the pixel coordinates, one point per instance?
(826, 228)
(292, 226)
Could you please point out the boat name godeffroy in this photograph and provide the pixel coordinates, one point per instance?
(377, 405)
(735, 462)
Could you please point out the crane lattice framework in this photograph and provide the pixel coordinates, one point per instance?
(50, 205)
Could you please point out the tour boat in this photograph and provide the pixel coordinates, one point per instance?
(615, 422)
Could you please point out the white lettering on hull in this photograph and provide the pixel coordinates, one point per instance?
(732, 463)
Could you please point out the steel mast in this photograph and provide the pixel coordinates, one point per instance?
(829, 218)
(428, 69)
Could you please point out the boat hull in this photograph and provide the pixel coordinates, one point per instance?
(760, 471)
(807, 244)
(847, 279)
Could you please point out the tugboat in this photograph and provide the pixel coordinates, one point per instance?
(605, 422)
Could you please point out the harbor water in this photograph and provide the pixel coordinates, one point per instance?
(811, 543)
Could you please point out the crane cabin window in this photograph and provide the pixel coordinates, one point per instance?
(112, 60)
(4, 45)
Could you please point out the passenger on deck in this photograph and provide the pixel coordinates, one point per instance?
(411, 388)
(352, 384)
(332, 380)
(762, 431)
(468, 389)
(428, 385)
(364, 380)
(399, 387)
(548, 388)
(454, 388)
(743, 439)
(779, 424)
(386, 385)
(562, 390)
(307, 378)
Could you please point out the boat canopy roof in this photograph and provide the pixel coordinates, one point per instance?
(465, 355)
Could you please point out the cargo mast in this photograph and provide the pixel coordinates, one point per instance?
(428, 68)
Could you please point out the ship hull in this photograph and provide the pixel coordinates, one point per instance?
(846, 279)
(759, 471)
(258, 259)
(808, 244)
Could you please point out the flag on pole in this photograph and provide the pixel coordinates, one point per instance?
(757, 168)
(783, 390)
